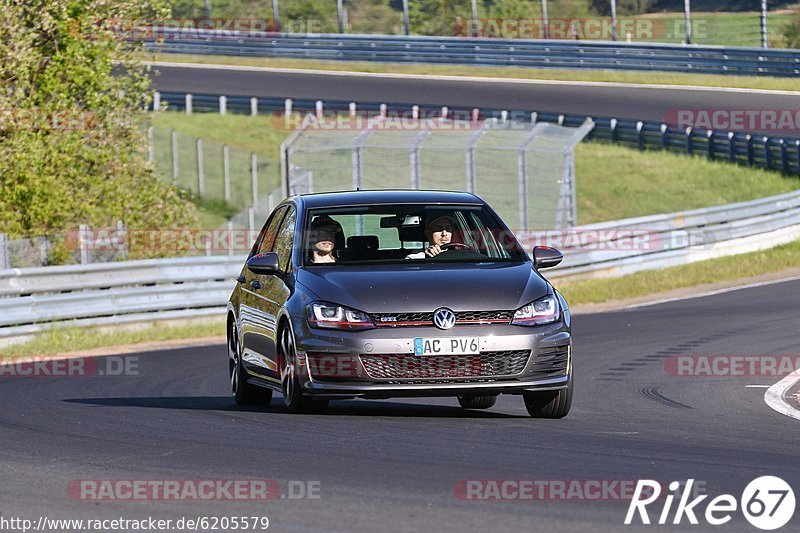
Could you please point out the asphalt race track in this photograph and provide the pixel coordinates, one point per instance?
(574, 98)
(392, 465)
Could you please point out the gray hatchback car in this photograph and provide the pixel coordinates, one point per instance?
(379, 294)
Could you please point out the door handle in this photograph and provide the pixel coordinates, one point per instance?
(255, 284)
(241, 279)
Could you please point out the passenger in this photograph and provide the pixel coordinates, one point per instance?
(323, 239)
(438, 231)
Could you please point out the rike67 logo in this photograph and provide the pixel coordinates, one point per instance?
(767, 503)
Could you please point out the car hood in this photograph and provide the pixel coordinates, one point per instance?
(421, 288)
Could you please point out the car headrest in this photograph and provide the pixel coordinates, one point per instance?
(363, 242)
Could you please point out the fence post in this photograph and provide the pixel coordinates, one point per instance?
(767, 153)
(710, 144)
(613, 20)
(270, 202)
(640, 135)
(223, 105)
(731, 146)
(687, 13)
(523, 189)
(226, 170)
(254, 107)
(201, 175)
(230, 237)
(44, 251)
(83, 237)
(175, 168)
(122, 234)
(4, 260)
(251, 219)
(764, 24)
(689, 147)
(188, 103)
(150, 150)
(254, 176)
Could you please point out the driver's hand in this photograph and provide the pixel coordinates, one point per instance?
(433, 250)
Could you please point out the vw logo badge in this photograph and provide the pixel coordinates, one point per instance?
(444, 318)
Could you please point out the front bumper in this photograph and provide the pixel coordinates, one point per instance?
(331, 363)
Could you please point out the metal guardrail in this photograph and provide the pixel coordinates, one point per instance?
(753, 149)
(35, 299)
(486, 51)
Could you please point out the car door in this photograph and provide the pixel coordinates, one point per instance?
(251, 316)
(269, 294)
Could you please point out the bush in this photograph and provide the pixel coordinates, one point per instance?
(72, 143)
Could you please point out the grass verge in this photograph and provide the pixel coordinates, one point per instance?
(654, 281)
(658, 78)
(72, 339)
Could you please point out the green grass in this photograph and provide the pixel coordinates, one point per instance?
(710, 271)
(616, 182)
(662, 78)
(72, 339)
(613, 182)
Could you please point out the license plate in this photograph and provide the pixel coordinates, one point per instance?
(447, 346)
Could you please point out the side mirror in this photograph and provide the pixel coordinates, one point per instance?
(546, 257)
(264, 264)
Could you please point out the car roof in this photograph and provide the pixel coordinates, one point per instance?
(346, 198)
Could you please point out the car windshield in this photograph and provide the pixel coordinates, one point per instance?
(403, 233)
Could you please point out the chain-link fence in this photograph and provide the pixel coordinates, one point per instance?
(524, 170)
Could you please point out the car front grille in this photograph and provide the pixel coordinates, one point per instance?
(550, 362)
(395, 320)
(407, 366)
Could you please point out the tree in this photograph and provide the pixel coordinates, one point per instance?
(72, 121)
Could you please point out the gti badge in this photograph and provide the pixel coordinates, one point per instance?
(444, 318)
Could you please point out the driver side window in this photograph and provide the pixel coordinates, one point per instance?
(267, 237)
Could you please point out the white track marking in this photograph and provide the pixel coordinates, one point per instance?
(479, 79)
(712, 293)
(775, 395)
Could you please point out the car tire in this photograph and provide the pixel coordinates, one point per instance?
(549, 404)
(244, 393)
(473, 401)
(293, 398)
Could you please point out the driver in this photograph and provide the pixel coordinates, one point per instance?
(439, 232)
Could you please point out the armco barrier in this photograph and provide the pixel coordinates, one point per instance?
(35, 299)
(781, 154)
(486, 51)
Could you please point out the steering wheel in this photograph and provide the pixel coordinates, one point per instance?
(456, 246)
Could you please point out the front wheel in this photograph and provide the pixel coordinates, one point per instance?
(293, 398)
(472, 401)
(549, 404)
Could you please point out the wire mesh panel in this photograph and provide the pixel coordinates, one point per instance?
(525, 171)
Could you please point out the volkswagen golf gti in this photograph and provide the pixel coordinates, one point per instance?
(380, 294)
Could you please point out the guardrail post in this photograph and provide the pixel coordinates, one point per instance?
(710, 146)
(561, 120)
(4, 260)
(640, 135)
(767, 153)
(503, 116)
(784, 156)
(750, 149)
(689, 147)
(254, 176)
(254, 107)
(156, 101)
(226, 171)
(175, 168)
(287, 107)
(83, 243)
(665, 136)
(444, 112)
(352, 107)
(612, 126)
(731, 146)
(383, 110)
(318, 109)
(188, 105)
(201, 175)
(415, 112)
(223, 105)
(534, 118)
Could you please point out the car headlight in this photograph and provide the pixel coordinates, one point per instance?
(542, 311)
(332, 316)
